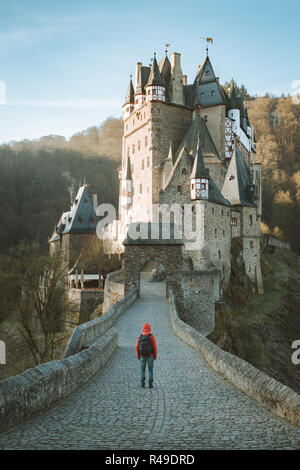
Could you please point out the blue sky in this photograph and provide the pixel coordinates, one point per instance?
(66, 63)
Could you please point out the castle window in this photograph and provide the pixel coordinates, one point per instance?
(139, 145)
(223, 233)
(184, 171)
(141, 188)
(179, 189)
(222, 212)
(212, 210)
(206, 72)
(128, 152)
(133, 148)
(132, 168)
(219, 254)
(212, 92)
(215, 231)
(250, 219)
(143, 164)
(234, 221)
(148, 162)
(251, 244)
(202, 95)
(146, 141)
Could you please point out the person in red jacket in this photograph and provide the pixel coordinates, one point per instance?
(146, 351)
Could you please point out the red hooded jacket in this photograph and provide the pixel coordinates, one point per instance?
(147, 331)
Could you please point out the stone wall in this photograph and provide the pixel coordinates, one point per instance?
(251, 235)
(87, 301)
(90, 347)
(197, 300)
(88, 332)
(113, 289)
(272, 394)
(26, 394)
(216, 126)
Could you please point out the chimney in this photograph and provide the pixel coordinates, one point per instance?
(138, 76)
(175, 60)
(95, 202)
(184, 79)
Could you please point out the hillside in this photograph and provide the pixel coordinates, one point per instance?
(37, 177)
(262, 328)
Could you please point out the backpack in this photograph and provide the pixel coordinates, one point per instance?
(145, 346)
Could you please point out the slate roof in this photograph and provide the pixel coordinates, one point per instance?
(156, 229)
(130, 93)
(199, 170)
(128, 175)
(155, 77)
(81, 218)
(190, 140)
(142, 79)
(237, 181)
(165, 69)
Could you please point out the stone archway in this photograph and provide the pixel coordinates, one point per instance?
(136, 256)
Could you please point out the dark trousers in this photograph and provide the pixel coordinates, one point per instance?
(144, 361)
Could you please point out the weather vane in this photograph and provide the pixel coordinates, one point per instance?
(208, 41)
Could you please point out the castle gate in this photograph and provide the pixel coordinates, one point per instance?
(167, 254)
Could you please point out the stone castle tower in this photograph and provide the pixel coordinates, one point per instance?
(192, 144)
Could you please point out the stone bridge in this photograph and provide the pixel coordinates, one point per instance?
(190, 407)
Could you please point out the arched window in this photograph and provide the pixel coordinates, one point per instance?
(184, 171)
(250, 219)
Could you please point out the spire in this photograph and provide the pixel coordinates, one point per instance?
(130, 93)
(155, 77)
(170, 154)
(128, 175)
(199, 170)
(165, 69)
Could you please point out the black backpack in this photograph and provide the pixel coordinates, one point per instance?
(145, 346)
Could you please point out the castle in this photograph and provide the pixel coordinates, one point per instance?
(189, 147)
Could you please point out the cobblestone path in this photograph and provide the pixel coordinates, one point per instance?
(190, 407)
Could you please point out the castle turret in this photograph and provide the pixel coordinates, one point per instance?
(140, 95)
(168, 164)
(128, 105)
(197, 107)
(155, 88)
(127, 187)
(176, 81)
(199, 177)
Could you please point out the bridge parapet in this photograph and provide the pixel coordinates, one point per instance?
(271, 393)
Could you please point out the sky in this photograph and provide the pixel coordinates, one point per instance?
(65, 64)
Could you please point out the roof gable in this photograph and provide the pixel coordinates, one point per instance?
(237, 181)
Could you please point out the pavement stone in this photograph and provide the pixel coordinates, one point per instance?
(189, 408)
